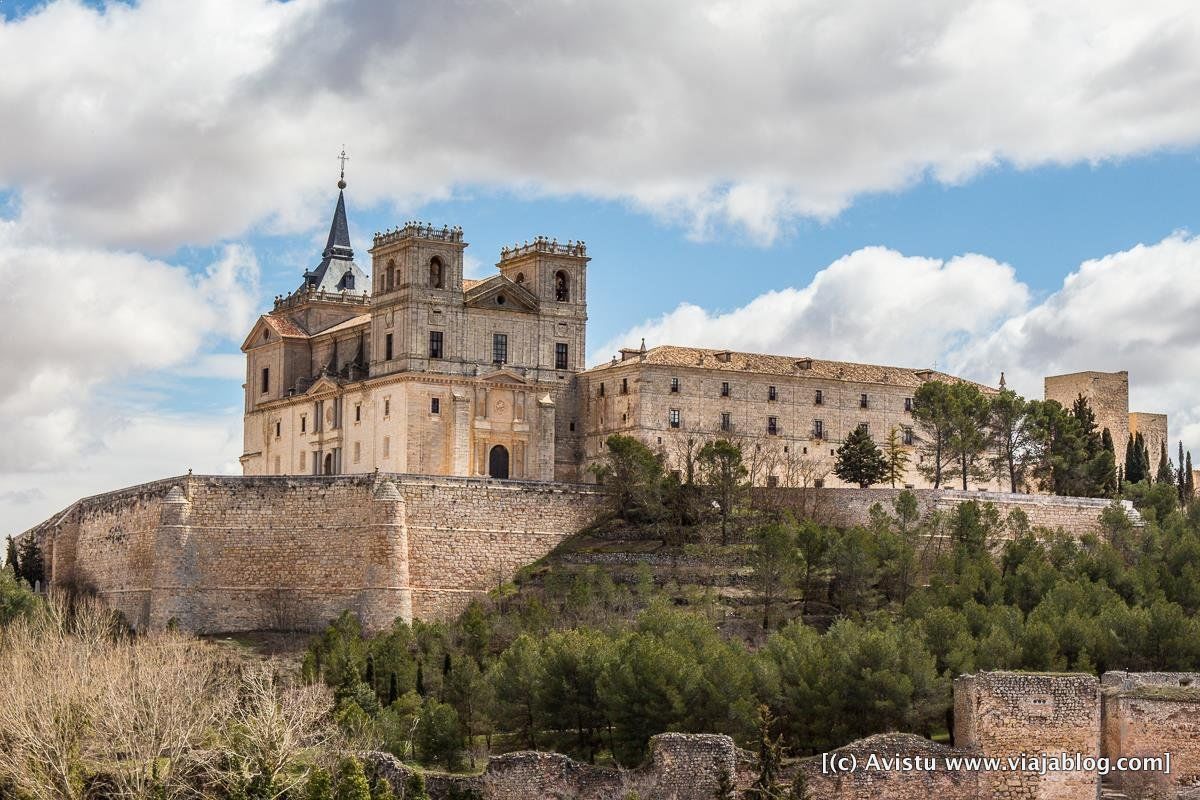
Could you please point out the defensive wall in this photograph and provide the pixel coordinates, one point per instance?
(235, 553)
(997, 714)
(220, 554)
(847, 507)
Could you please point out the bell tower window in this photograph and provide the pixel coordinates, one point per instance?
(391, 277)
(562, 289)
(436, 273)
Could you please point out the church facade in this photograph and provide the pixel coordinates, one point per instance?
(415, 369)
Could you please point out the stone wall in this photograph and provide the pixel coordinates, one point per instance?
(1149, 714)
(849, 507)
(680, 767)
(219, 553)
(1016, 713)
(890, 784)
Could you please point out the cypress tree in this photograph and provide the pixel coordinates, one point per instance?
(1190, 483)
(352, 781)
(392, 693)
(420, 679)
(1131, 460)
(1166, 471)
(10, 558)
(1111, 479)
(1181, 480)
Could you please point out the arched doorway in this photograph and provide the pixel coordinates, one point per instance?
(328, 464)
(498, 462)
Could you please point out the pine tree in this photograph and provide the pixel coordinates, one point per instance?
(30, 562)
(859, 460)
(1166, 470)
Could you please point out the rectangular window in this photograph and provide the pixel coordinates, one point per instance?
(673, 418)
(908, 436)
(358, 412)
(303, 460)
(624, 385)
(818, 398)
(726, 421)
(435, 344)
(387, 442)
(387, 406)
(818, 429)
(674, 385)
(771, 394)
(499, 348)
(266, 379)
(724, 389)
(601, 390)
(303, 424)
(772, 481)
(772, 426)
(357, 451)
(862, 401)
(819, 483)
(560, 355)
(908, 404)
(278, 426)
(435, 405)
(387, 347)
(864, 427)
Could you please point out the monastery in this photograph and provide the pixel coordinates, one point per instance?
(416, 369)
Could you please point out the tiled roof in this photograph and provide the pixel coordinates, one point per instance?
(284, 326)
(353, 322)
(469, 284)
(702, 358)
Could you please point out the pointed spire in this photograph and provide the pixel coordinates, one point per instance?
(338, 244)
(1003, 383)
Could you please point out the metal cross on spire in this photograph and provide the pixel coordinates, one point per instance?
(343, 158)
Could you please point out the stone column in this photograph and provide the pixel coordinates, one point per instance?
(544, 460)
(462, 433)
(174, 574)
(386, 592)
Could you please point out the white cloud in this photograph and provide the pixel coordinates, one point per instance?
(900, 309)
(162, 123)
(140, 448)
(1137, 310)
(83, 319)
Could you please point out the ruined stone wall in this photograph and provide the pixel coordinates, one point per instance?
(1016, 713)
(1149, 714)
(217, 553)
(849, 507)
(680, 767)
(890, 783)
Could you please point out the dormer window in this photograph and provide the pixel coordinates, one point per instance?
(436, 273)
(562, 289)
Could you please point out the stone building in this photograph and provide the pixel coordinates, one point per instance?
(1108, 395)
(789, 413)
(416, 369)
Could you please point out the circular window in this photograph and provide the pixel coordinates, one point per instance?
(499, 299)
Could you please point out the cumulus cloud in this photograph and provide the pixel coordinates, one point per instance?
(82, 318)
(161, 123)
(1137, 310)
(899, 309)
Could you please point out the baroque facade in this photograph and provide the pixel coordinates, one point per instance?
(416, 369)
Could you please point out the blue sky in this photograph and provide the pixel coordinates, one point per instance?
(985, 185)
